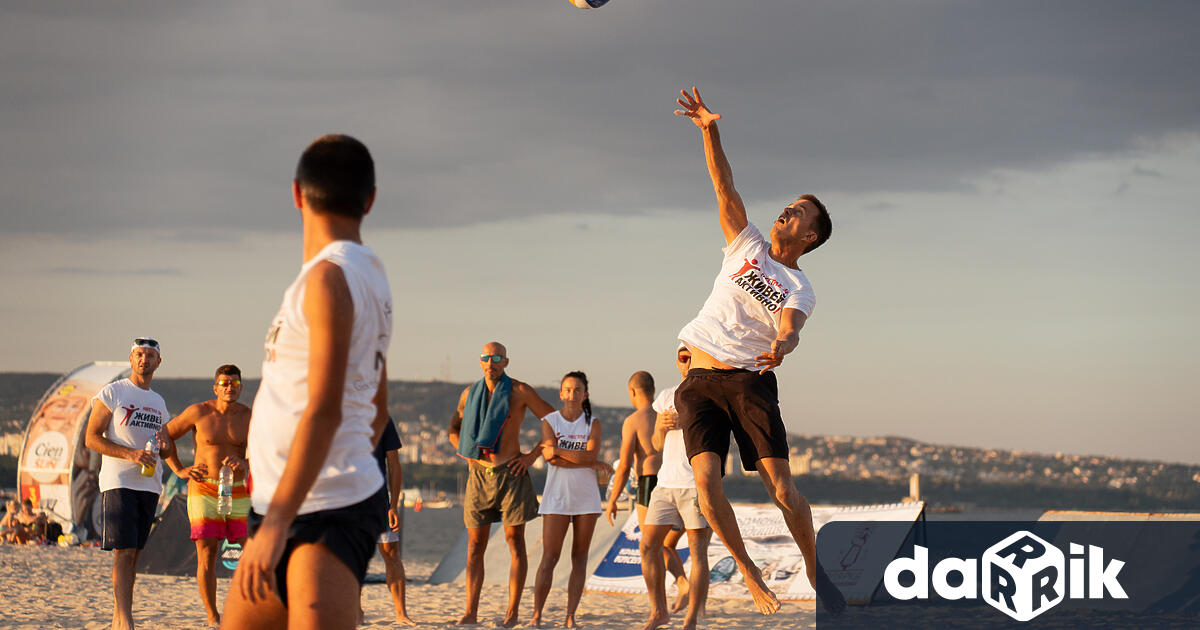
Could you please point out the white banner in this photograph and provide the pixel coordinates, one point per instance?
(862, 555)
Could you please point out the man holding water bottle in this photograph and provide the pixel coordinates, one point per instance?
(218, 502)
(126, 427)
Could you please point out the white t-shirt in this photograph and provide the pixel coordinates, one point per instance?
(740, 318)
(350, 472)
(676, 470)
(570, 490)
(137, 415)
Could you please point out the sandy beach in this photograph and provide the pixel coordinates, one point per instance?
(52, 587)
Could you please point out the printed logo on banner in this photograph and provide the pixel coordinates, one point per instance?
(1022, 576)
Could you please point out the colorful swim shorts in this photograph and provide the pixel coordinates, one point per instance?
(202, 511)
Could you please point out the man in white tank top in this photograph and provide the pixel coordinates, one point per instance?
(126, 417)
(752, 319)
(321, 407)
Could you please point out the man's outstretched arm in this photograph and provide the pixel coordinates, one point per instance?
(731, 211)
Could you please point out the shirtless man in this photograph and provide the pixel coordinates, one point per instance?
(220, 427)
(498, 484)
(636, 433)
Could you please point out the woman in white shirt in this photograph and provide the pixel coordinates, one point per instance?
(570, 441)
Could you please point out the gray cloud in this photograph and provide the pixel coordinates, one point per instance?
(189, 117)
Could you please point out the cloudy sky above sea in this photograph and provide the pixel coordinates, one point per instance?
(1013, 186)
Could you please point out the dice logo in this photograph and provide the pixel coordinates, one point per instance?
(1023, 576)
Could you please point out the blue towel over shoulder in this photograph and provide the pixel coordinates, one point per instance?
(483, 422)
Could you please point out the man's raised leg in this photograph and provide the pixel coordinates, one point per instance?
(123, 575)
(777, 477)
(206, 577)
(653, 568)
(518, 570)
(715, 507)
(477, 540)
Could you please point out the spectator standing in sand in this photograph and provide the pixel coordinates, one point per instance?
(485, 431)
(126, 416)
(570, 442)
(638, 453)
(391, 541)
(220, 428)
(674, 507)
(320, 408)
(749, 323)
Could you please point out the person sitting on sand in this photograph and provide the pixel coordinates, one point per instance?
(11, 529)
(570, 441)
(33, 522)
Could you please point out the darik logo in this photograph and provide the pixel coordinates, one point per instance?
(1022, 576)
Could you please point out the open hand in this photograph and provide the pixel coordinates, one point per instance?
(255, 575)
(199, 472)
(694, 108)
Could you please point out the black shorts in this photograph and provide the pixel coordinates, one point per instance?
(349, 533)
(646, 485)
(712, 403)
(125, 518)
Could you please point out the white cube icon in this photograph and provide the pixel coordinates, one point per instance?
(1023, 576)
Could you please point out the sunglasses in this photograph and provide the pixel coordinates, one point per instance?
(683, 359)
(225, 383)
(146, 342)
(494, 358)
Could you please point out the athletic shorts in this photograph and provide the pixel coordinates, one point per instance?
(712, 403)
(677, 507)
(646, 485)
(389, 535)
(125, 518)
(347, 532)
(495, 495)
(202, 511)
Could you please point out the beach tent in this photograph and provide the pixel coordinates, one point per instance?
(55, 470)
(496, 560)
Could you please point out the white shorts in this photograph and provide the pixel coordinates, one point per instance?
(391, 536)
(677, 507)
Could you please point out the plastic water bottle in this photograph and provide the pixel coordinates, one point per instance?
(148, 471)
(225, 491)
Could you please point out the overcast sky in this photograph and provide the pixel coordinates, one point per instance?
(1013, 187)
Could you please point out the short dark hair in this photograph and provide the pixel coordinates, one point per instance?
(337, 175)
(822, 224)
(228, 369)
(28, 502)
(642, 380)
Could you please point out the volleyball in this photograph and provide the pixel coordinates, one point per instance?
(589, 4)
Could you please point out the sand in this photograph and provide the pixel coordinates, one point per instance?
(53, 587)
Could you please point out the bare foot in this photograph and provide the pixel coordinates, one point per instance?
(766, 601)
(404, 620)
(681, 583)
(536, 621)
(829, 594)
(214, 622)
(469, 619)
(510, 620)
(656, 619)
(570, 622)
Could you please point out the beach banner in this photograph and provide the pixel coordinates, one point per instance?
(56, 471)
(857, 569)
